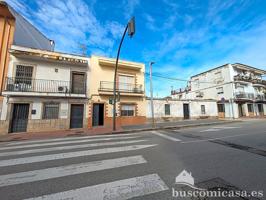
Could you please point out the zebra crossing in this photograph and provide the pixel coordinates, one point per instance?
(18, 163)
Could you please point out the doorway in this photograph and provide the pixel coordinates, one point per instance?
(98, 114)
(76, 116)
(240, 110)
(19, 120)
(221, 110)
(260, 109)
(186, 110)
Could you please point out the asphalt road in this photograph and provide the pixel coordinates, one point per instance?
(139, 166)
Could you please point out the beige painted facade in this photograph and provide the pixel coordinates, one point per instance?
(130, 85)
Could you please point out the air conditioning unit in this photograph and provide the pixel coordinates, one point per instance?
(62, 89)
(199, 94)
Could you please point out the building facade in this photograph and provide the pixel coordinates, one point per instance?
(238, 89)
(44, 91)
(131, 108)
(168, 109)
(16, 30)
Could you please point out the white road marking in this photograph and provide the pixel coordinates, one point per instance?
(227, 127)
(210, 130)
(218, 138)
(61, 143)
(21, 152)
(55, 172)
(117, 190)
(166, 136)
(69, 138)
(219, 128)
(33, 159)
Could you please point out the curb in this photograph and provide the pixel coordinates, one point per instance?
(144, 129)
(171, 127)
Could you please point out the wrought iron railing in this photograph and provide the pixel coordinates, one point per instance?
(121, 87)
(250, 79)
(15, 84)
(250, 96)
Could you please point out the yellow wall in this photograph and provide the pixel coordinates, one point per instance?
(105, 72)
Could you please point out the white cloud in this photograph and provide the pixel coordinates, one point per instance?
(129, 7)
(70, 23)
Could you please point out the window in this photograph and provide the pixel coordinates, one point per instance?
(250, 108)
(220, 90)
(51, 111)
(221, 108)
(167, 109)
(78, 83)
(203, 109)
(126, 83)
(23, 74)
(127, 110)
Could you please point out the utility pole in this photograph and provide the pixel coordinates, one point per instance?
(151, 91)
(131, 31)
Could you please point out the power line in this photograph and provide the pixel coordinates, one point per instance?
(177, 79)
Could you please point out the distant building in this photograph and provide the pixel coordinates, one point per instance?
(169, 109)
(16, 30)
(239, 90)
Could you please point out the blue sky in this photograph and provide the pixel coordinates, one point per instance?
(183, 37)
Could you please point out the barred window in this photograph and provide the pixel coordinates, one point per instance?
(51, 111)
(127, 110)
(167, 109)
(23, 74)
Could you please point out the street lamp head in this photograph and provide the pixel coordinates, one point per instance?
(131, 27)
(151, 63)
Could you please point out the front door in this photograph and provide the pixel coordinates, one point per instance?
(240, 110)
(76, 116)
(186, 110)
(19, 120)
(260, 108)
(221, 110)
(98, 114)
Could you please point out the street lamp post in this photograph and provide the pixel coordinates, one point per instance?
(151, 92)
(131, 31)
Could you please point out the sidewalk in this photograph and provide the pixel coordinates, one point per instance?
(105, 131)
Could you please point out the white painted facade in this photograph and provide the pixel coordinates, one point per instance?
(176, 109)
(233, 85)
(51, 83)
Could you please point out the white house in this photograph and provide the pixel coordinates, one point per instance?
(238, 89)
(44, 90)
(168, 109)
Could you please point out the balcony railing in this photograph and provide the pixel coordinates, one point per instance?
(42, 86)
(121, 87)
(249, 79)
(250, 96)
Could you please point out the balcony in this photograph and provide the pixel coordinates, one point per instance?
(106, 87)
(250, 96)
(244, 95)
(255, 81)
(28, 86)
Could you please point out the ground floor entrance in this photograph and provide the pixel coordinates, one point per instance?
(19, 119)
(186, 110)
(221, 110)
(76, 115)
(98, 114)
(241, 111)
